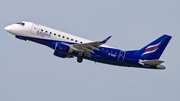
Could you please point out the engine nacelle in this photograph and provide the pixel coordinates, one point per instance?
(61, 47)
(59, 54)
(61, 50)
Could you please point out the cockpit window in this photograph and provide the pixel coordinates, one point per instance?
(21, 23)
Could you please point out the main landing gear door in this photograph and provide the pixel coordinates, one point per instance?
(121, 56)
(34, 28)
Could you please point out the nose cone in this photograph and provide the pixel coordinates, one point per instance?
(8, 28)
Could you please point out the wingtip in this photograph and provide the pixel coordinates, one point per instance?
(109, 37)
(105, 40)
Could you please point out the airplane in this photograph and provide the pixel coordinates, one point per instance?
(68, 46)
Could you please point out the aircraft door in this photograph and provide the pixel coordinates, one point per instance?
(121, 56)
(34, 28)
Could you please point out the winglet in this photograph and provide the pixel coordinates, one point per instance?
(105, 40)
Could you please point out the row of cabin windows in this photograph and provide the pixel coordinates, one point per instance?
(108, 50)
(59, 36)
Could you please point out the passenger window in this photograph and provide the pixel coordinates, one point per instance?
(71, 39)
(81, 42)
(111, 51)
(50, 32)
(102, 48)
(42, 30)
(76, 40)
(106, 50)
(115, 52)
(67, 38)
(54, 33)
(63, 36)
(59, 35)
(46, 31)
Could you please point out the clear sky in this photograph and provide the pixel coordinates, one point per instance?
(30, 72)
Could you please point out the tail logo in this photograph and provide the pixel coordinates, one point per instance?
(151, 49)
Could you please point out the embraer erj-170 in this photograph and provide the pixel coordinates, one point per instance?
(68, 46)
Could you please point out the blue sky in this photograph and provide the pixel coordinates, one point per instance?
(30, 72)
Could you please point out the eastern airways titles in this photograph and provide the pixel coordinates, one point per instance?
(43, 34)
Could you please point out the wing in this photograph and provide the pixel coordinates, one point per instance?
(87, 48)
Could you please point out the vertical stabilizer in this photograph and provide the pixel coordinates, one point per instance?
(154, 50)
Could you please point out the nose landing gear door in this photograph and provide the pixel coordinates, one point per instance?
(34, 28)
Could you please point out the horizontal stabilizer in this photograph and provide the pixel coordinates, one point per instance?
(152, 62)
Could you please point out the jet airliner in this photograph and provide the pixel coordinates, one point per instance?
(68, 46)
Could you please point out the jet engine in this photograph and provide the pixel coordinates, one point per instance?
(62, 50)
